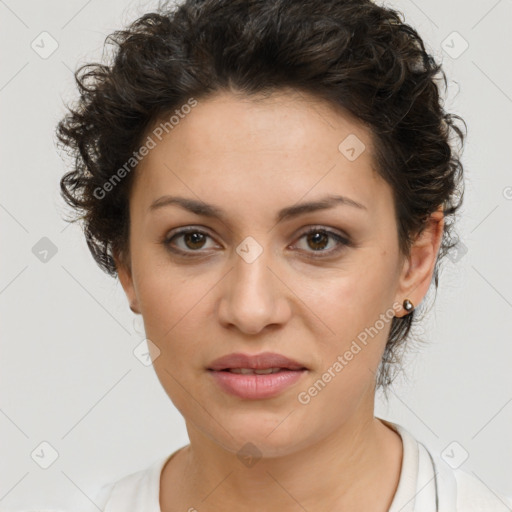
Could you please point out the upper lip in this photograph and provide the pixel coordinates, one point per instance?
(261, 361)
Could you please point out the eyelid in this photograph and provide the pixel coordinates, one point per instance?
(325, 229)
(342, 239)
(175, 233)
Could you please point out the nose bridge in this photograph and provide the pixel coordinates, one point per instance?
(252, 278)
(251, 298)
(251, 267)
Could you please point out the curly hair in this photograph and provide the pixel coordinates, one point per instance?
(352, 53)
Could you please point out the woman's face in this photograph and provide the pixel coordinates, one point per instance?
(252, 281)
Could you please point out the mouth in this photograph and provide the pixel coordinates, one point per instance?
(262, 371)
(251, 384)
(262, 364)
(256, 377)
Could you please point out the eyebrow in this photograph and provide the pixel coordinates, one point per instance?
(212, 211)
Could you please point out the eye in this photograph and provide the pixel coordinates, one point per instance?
(318, 239)
(193, 239)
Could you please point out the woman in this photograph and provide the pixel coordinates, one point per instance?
(273, 184)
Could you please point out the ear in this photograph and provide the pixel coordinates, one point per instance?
(418, 268)
(124, 273)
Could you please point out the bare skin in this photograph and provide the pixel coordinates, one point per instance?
(251, 159)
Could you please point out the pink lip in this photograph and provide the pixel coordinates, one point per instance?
(255, 386)
(260, 361)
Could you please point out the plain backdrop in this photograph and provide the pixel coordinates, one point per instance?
(75, 398)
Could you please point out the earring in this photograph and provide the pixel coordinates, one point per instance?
(408, 305)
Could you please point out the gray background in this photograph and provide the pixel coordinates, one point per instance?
(68, 374)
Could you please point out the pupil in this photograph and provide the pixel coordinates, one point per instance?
(195, 237)
(317, 239)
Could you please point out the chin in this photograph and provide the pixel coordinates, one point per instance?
(261, 432)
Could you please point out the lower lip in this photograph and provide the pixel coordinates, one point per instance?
(255, 386)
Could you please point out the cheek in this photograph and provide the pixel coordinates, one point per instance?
(356, 313)
(352, 298)
(164, 296)
(169, 305)
(173, 308)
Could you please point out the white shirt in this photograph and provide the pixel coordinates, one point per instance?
(426, 484)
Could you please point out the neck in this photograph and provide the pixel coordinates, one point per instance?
(336, 472)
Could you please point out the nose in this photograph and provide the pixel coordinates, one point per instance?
(253, 296)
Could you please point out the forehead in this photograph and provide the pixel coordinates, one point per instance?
(235, 149)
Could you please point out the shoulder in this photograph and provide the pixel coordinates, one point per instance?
(137, 491)
(453, 490)
(473, 492)
(469, 492)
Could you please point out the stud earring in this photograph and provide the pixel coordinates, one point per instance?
(408, 305)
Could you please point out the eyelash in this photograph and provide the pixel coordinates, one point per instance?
(342, 241)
